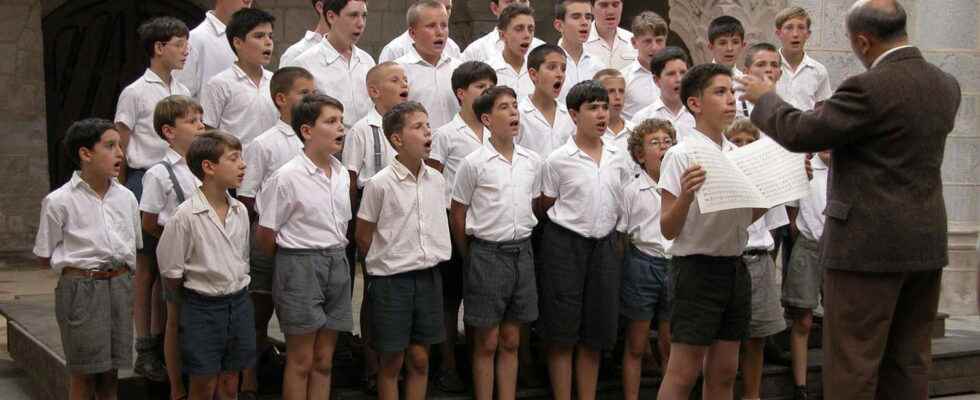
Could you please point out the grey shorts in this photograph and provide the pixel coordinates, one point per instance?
(217, 333)
(804, 276)
(95, 317)
(311, 291)
(499, 283)
(406, 308)
(261, 267)
(644, 294)
(579, 289)
(767, 311)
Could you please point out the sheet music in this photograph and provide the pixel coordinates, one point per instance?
(725, 186)
(777, 173)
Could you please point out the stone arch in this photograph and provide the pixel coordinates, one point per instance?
(690, 19)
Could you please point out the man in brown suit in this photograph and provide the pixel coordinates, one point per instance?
(884, 242)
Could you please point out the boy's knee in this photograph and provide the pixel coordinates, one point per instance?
(323, 364)
(418, 362)
(300, 362)
(803, 324)
(391, 363)
(487, 345)
(509, 343)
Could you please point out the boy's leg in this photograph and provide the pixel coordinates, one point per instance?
(663, 342)
(391, 366)
(299, 364)
(637, 339)
(751, 364)
(683, 368)
(228, 385)
(560, 370)
(146, 318)
(261, 270)
(417, 376)
(171, 351)
(447, 378)
(81, 387)
(799, 340)
(320, 376)
(203, 387)
(586, 371)
(107, 385)
(508, 342)
(720, 368)
(484, 351)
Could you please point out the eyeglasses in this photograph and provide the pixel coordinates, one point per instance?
(665, 142)
(179, 43)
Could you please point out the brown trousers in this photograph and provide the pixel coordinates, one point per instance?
(876, 330)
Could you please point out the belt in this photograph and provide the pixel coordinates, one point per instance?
(507, 246)
(755, 252)
(100, 274)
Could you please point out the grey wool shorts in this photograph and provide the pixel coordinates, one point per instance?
(804, 276)
(767, 311)
(311, 290)
(499, 283)
(406, 308)
(95, 317)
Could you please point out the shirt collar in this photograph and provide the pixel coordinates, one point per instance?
(885, 54)
(637, 67)
(413, 57)
(527, 106)
(76, 182)
(594, 34)
(374, 118)
(571, 148)
(805, 62)
(459, 126)
(627, 128)
(284, 128)
(152, 77)
(647, 182)
(312, 169)
(200, 203)
(313, 37)
(330, 54)
(172, 157)
(216, 25)
(240, 73)
(491, 152)
(725, 144)
(497, 63)
(402, 172)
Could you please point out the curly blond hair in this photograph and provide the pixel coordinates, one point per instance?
(648, 126)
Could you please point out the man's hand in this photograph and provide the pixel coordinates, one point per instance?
(754, 88)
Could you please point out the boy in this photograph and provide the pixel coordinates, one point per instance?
(582, 190)
(310, 39)
(209, 50)
(726, 39)
(644, 294)
(545, 124)
(607, 41)
(572, 21)
(93, 255)
(403, 229)
(487, 46)
(311, 289)
(650, 32)
(428, 67)
(165, 41)
(493, 229)
(339, 65)
(203, 256)
(804, 81)
(237, 99)
(264, 156)
(711, 299)
(177, 120)
(761, 60)
(617, 130)
(398, 46)
(516, 26)
(669, 67)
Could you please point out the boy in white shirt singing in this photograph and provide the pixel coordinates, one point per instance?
(650, 36)
(209, 50)
(669, 67)
(545, 123)
(516, 26)
(400, 45)
(428, 66)
(607, 41)
(618, 129)
(572, 21)
(310, 39)
(484, 48)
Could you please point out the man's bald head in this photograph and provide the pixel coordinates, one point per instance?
(884, 20)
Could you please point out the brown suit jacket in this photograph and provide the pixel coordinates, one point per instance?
(887, 128)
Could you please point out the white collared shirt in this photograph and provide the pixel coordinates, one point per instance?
(641, 90)
(576, 72)
(432, 85)
(211, 257)
(308, 40)
(806, 86)
(683, 121)
(412, 226)
(359, 148)
(233, 103)
(537, 134)
(622, 52)
(760, 237)
(451, 144)
(266, 154)
(210, 54)
(159, 195)
(641, 216)
(135, 110)
(520, 81)
(398, 46)
(588, 196)
(722, 233)
(499, 193)
(342, 79)
(484, 48)
(621, 140)
(307, 208)
(79, 229)
(810, 219)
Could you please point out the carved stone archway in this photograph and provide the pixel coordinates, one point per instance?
(690, 19)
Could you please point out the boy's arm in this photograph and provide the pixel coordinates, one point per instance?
(675, 208)
(368, 214)
(49, 232)
(265, 240)
(175, 246)
(549, 188)
(354, 201)
(213, 103)
(794, 230)
(363, 234)
(151, 224)
(458, 226)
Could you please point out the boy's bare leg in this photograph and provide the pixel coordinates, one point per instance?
(637, 333)
(264, 308)
(107, 385)
(560, 370)
(417, 378)
(81, 387)
(171, 352)
(507, 350)
(299, 363)
(320, 377)
(720, 367)
(228, 385)
(663, 342)
(203, 387)
(586, 371)
(751, 364)
(799, 339)
(484, 351)
(391, 365)
(683, 368)
(141, 302)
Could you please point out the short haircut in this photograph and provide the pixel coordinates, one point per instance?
(484, 103)
(885, 25)
(395, 119)
(308, 110)
(697, 79)
(536, 57)
(585, 92)
(336, 6)
(415, 10)
(561, 7)
(160, 30)
(84, 133)
(513, 11)
(789, 13)
(377, 72)
(668, 54)
(244, 21)
(210, 146)
(755, 49)
(283, 79)
(723, 26)
(649, 23)
(646, 127)
(740, 125)
(607, 73)
(172, 108)
(471, 72)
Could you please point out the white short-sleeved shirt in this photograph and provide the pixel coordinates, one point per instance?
(266, 154)
(342, 79)
(135, 110)
(78, 229)
(621, 140)
(499, 193)
(210, 54)
(359, 148)
(641, 90)
(641, 216)
(810, 219)
(576, 72)
(308, 40)
(307, 208)
(520, 81)
(806, 86)
(622, 52)
(398, 46)
(210, 256)
(759, 236)
(589, 196)
(432, 85)
(233, 103)
(412, 226)
(159, 195)
(484, 48)
(722, 233)
(451, 144)
(537, 134)
(683, 121)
